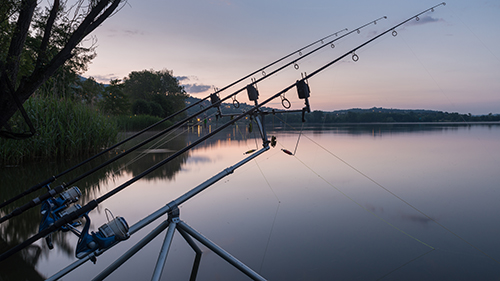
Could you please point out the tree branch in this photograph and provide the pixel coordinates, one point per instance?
(88, 25)
(18, 39)
(42, 54)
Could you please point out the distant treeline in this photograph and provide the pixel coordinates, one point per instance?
(376, 116)
(354, 115)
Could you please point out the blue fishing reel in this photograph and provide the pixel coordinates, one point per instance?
(109, 233)
(53, 209)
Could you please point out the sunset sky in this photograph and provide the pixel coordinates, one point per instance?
(449, 60)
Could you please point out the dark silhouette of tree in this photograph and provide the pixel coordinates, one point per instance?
(159, 87)
(114, 100)
(89, 90)
(35, 45)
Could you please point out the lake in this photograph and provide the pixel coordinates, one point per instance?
(355, 202)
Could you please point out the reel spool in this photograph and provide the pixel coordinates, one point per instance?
(109, 233)
(53, 209)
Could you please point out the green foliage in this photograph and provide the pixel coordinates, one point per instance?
(158, 87)
(146, 83)
(139, 122)
(62, 83)
(89, 90)
(156, 109)
(114, 100)
(64, 129)
(141, 107)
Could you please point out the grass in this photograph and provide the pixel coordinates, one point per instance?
(63, 129)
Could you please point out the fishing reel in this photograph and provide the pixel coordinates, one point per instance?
(53, 209)
(113, 231)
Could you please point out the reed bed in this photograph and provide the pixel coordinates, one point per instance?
(64, 129)
(136, 123)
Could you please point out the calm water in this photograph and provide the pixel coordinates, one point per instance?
(408, 202)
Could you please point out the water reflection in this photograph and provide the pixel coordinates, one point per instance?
(280, 218)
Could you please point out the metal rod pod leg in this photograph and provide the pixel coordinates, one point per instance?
(162, 258)
(221, 252)
(197, 250)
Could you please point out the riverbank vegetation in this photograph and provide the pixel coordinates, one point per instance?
(64, 129)
(43, 55)
(75, 116)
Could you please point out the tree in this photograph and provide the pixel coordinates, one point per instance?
(141, 106)
(34, 45)
(159, 87)
(89, 90)
(114, 100)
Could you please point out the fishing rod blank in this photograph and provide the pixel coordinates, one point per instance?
(53, 178)
(68, 218)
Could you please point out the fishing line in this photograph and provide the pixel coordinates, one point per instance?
(432, 77)
(275, 215)
(298, 139)
(475, 35)
(268, 184)
(255, 134)
(363, 207)
(270, 235)
(399, 198)
(405, 264)
(371, 212)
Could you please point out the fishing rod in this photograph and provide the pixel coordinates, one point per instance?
(70, 217)
(54, 178)
(216, 101)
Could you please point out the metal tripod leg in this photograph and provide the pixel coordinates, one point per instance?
(162, 258)
(219, 251)
(197, 258)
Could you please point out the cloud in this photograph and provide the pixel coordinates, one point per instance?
(124, 32)
(195, 88)
(424, 20)
(182, 78)
(105, 78)
(192, 88)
